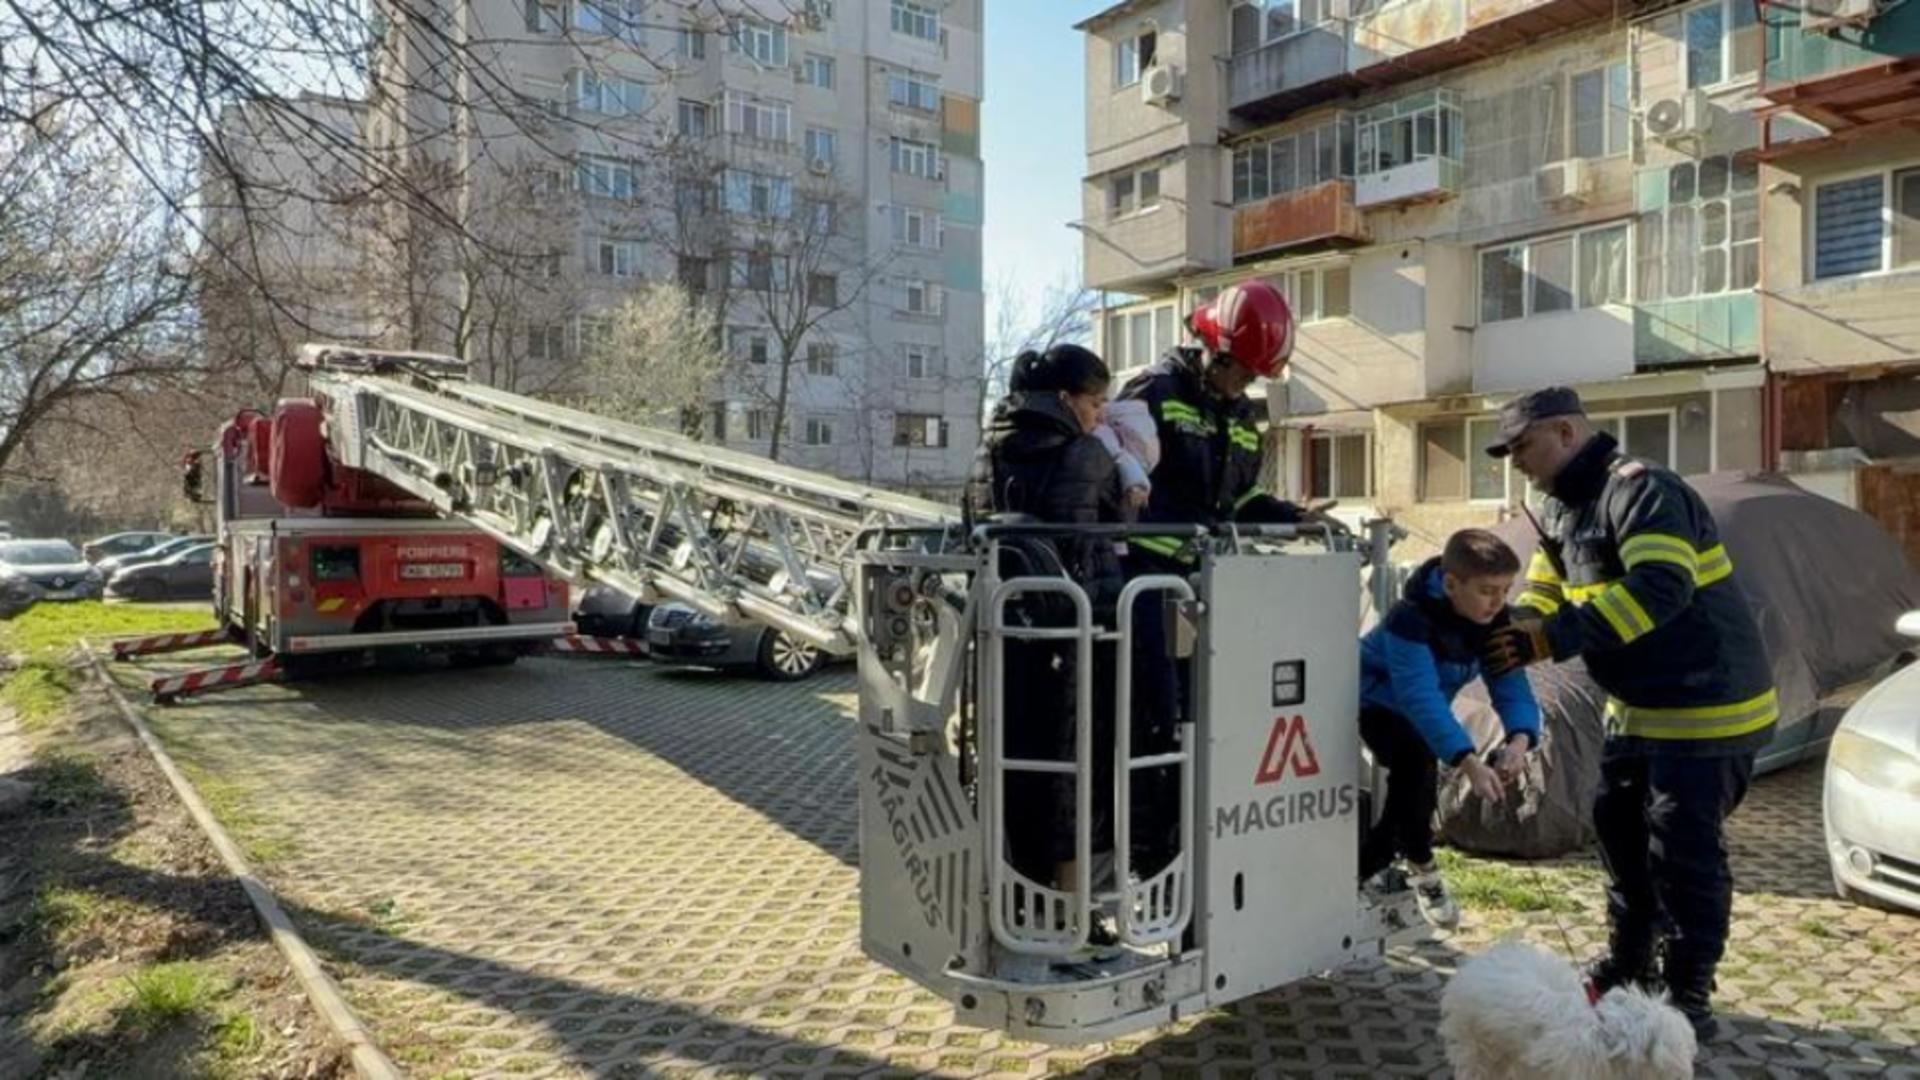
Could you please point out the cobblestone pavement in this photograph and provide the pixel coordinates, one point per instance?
(574, 868)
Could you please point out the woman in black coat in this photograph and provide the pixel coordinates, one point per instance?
(1038, 459)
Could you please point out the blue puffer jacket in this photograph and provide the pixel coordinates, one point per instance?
(1419, 657)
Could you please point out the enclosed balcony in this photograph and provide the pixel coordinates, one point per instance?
(1295, 189)
(1838, 69)
(1409, 150)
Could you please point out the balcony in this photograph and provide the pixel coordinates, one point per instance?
(1417, 181)
(1850, 83)
(1280, 76)
(1323, 213)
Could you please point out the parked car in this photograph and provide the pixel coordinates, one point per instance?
(678, 632)
(604, 611)
(165, 549)
(184, 575)
(35, 570)
(1872, 797)
(124, 543)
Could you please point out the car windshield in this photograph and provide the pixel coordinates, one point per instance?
(168, 547)
(196, 553)
(39, 553)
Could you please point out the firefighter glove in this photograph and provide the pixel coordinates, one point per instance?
(1521, 642)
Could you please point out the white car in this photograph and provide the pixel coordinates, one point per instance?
(1873, 791)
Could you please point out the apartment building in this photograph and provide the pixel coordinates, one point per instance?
(1464, 199)
(811, 170)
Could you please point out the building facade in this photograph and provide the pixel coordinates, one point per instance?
(810, 171)
(1468, 199)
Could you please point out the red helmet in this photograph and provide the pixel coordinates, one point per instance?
(1249, 322)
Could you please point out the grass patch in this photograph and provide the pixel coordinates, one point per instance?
(165, 993)
(50, 631)
(1816, 928)
(58, 911)
(64, 782)
(1489, 885)
(231, 805)
(37, 691)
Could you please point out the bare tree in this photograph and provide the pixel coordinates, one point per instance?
(658, 362)
(1062, 313)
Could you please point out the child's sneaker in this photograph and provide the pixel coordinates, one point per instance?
(1436, 904)
(1386, 886)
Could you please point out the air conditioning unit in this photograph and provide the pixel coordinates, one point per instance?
(1160, 85)
(1688, 116)
(1563, 181)
(819, 166)
(1826, 16)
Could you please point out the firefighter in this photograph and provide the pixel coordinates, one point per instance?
(1631, 576)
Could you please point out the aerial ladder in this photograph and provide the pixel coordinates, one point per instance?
(1256, 884)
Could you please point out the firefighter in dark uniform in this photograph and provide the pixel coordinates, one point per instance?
(1208, 474)
(1631, 576)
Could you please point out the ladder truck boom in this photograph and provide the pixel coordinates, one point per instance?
(648, 512)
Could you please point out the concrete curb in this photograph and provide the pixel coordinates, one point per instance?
(368, 1059)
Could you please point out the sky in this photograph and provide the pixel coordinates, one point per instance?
(1033, 142)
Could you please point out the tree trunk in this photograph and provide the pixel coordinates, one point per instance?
(787, 351)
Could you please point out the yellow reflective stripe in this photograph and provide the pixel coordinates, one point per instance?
(1622, 612)
(1179, 410)
(1631, 605)
(1621, 622)
(1245, 440)
(1715, 565)
(1539, 601)
(1581, 594)
(1699, 722)
(1253, 493)
(1540, 569)
(1657, 547)
(1159, 545)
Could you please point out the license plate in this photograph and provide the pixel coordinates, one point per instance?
(59, 594)
(659, 637)
(432, 571)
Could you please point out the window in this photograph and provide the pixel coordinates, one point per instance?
(1454, 463)
(616, 258)
(916, 158)
(919, 429)
(593, 332)
(757, 194)
(1644, 434)
(696, 119)
(752, 346)
(1707, 238)
(820, 358)
(1337, 467)
(614, 18)
(1132, 56)
(819, 431)
(1721, 43)
(1316, 293)
(764, 43)
(823, 290)
(758, 270)
(1262, 22)
(1443, 460)
(911, 92)
(922, 362)
(918, 228)
(1136, 337)
(607, 95)
(1599, 117)
(822, 146)
(692, 44)
(604, 178)
(916, 20)
(820, 215)
(1867, 224)
(1407, 131)
(693, 197)
(923, 298)
(693, 273)
(546, 342)
(1554, 273)
(820, 11)
(1284, 163)
(818, 71)
(1133, 191)
(543, 17)
(759, 423)
(767, 121)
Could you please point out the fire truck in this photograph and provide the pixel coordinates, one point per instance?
(1264, 785)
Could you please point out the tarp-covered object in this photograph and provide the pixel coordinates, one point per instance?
(1826, 584)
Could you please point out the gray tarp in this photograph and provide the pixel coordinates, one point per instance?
(1826, 584)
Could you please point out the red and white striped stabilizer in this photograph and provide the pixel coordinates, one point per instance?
(598, 646)
(208, 680)
(127, 648)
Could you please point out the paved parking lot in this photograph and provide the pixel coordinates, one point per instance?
(596, 868)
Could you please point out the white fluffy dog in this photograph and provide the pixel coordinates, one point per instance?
(1516, 1011)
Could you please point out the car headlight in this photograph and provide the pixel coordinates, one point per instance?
(1875, 763)
(703, 622)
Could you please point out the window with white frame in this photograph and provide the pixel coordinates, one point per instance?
(916, 158)
(913, 92)
(615, 258)
(1412, 129)
(916, 20)
(605, 178)
(1254, 23)
(544, 17)
(922, 298)
(692, 44)
(819, 431)
(607, 95)
(1866, 224)
(821, 357)
(817, 70)
(823, 146)
(767, 121)
(1138, 336)
(1454, 463)
(547, 341)
(1580, 269)
(1133, 191)
(823, 290)
(922, 361)
(757, 194)
(614, 18)
(1706, 240)
(1599, 117)
(762, 42)
(759, 423)
(1339, 466)
(919, 429)
(751, 345)
(821, 216)
(819, 11)
(695, 119)
(919, 228)
(1281, 163)
(1720, 43)
(1133, 55)
(1316, 293)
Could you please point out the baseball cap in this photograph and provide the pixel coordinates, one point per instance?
(1523, 412)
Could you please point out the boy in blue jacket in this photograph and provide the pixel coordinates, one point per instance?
(1411, 666)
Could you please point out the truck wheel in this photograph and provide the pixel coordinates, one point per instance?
(783, 658)
(299, 476)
